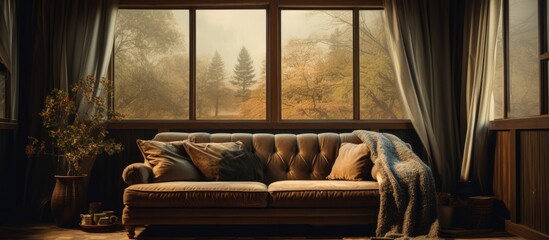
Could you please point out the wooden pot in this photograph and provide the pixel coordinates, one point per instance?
(68, 200)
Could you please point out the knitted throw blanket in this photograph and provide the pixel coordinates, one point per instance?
(408, 198)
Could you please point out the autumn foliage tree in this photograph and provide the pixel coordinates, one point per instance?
(311, 87)
(317, 72)
(379, 95)
(151, 66)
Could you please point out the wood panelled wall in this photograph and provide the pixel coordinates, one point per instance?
(106, 183)
(9, 201)
(534, 179)
(521, 179)
(503, 171)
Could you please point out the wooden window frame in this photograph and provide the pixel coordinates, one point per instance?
(544, 57)
(7, 95)
(543, 42)
(273, 120)
(540, 121)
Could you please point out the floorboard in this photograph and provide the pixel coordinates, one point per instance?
(279, 232)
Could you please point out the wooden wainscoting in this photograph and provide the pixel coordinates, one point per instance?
(10, 175)
(521, 179)
(534, 179)
(504, 172)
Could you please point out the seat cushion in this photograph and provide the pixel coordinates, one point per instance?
(323, 193)
(197, 194)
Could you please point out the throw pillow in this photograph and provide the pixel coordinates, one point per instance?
(352, 161)
(168, 161)
(228, 161)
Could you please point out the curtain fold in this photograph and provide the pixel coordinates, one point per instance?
(8, 50)
(479, 56)
(71, 39)
(89, 42)
(6, 30)
(420, 41)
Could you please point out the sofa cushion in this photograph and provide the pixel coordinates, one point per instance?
(352, 163)
(197, 194)
(227, 161)
(168, 161)
(323, 193)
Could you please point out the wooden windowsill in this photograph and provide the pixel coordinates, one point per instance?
(259, 125)
(8, 125)
(537, 122)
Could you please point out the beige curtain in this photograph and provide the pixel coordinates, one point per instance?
(8, 49)
(71, 39)
(479, 49)
(419, 35)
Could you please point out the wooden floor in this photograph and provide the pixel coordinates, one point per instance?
(51, 232)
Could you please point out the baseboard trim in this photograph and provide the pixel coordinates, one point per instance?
(523, 231)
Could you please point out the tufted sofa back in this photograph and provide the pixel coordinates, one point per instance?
(285, 156)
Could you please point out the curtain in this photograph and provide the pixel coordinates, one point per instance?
(71, 39)
(8, 49)
(420, 40)
(479, 49)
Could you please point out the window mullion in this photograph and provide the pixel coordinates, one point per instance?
(544, 55)
(192, 64)
(356, 65)
(274, 107)
(506, 68)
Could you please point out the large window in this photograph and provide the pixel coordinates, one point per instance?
(379, 96)
(497, 106)
(224, 63)
(523, 58)
(151, 62)
(520, 88)
(317, 64)
(3, 91)
(230, 66)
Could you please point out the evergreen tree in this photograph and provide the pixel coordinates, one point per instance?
(243, 75)
(215, 77)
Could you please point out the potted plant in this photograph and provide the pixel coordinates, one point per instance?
(74, 138)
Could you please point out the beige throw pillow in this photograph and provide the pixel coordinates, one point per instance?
(352, 163)
(228, 161)
(168, 161)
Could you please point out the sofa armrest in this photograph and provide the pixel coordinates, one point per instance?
(375, 174)
(137, 173)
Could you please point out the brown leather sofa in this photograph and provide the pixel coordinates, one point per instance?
(295, 189)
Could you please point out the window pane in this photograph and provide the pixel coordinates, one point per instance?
(230, 65)
(379, 95)
(2, 92)
(317, 64)
(524, 58)
(497, 104)
(152, 64)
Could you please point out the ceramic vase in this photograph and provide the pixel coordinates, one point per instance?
(68, 200)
